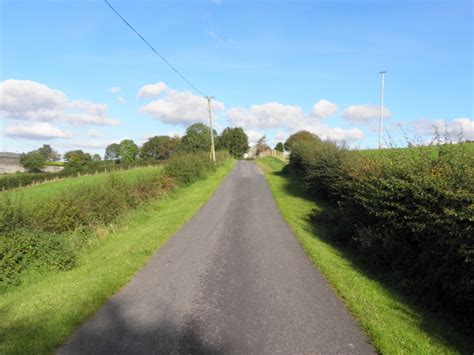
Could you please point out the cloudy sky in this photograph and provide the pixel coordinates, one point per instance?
(74, 76)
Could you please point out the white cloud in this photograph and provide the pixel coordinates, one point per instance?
(121, 100)
(364, 113)
(176, 107)
(115, 89)
(93, 133)
(253, 135)
(454, 127)
(269, 115)
(323, 108)
(152, 90)
(36, 130)
(32, 101)
(290, 119)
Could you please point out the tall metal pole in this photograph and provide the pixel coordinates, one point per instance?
(381, 109)
(213, 151)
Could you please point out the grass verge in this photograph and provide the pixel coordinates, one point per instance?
(39, 315)
(394, 325)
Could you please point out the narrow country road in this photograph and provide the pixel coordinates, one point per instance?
(233, 280)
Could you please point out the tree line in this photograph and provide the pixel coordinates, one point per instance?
(197, 139)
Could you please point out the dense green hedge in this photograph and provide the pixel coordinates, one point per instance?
(47, 233)
(410, 212)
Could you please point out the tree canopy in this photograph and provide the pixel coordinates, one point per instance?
(128, 151)
(33, 161)
(76, 159)
(160, 147)
(299, 137)
(112, 152)
(49, 153)
(234, 140)
(279, 147)
(197, 138)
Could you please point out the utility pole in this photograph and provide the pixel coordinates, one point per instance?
(382, 73)
(213, 151)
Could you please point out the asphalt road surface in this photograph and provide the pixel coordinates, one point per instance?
(233, 280)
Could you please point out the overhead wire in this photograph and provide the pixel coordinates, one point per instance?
(154, 50)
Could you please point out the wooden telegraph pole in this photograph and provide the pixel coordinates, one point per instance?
(213, 151)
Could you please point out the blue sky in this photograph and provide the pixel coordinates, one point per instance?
(274, 67)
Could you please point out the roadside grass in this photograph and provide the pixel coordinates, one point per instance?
(53, 187)
(39, 315)
(394, 324)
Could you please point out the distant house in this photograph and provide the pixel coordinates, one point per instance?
(10, 163)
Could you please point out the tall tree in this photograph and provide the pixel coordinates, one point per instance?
(49, 153)
(234, 140)
(112, 152)
(197, 138)
(160, 147)
(279, 147)
(128, 151)
(33, 161)
(76, 159)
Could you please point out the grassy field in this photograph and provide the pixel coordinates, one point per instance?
(38, 316)
(394, 325)
(430, 150)
(38, 192)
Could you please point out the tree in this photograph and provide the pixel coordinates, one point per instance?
(197, 138)
(33, 161)
(160, 147)
(76, 159)
(235, 141)
(128, 151)
(300, 136)
(261, 146)
(96, 157)
(49, 153)
(112, 152)
(279, 147)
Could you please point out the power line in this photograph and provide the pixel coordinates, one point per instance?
(154, 50)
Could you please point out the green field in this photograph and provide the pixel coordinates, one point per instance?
(394, 324)
(54, 187)
(430, 150)
(38, 316)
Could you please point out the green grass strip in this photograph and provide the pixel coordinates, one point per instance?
(38, 316)
(394, 325)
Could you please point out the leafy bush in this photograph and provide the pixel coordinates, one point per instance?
(411, 212)
(22, 249)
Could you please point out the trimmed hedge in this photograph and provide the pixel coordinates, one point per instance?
(411, 212)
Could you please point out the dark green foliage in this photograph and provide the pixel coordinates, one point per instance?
(160, 147)
(411, 213)
(76, 159)
(33, 161)
(96, 157)
(279, 147)
(22, 249)
(235, 141)
(198, 138)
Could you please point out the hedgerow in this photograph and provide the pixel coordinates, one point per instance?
(410, 212)
(48, 232)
